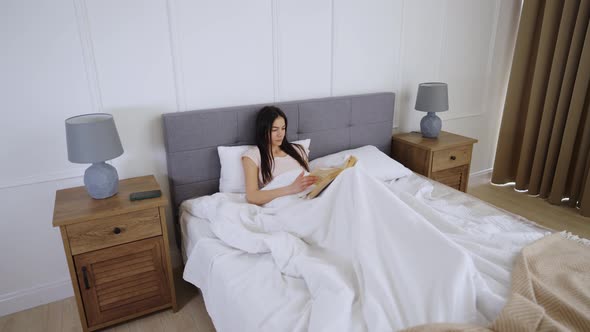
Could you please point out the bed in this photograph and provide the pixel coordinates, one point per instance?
(453, 265)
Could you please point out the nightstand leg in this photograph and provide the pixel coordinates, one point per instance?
(74, 278)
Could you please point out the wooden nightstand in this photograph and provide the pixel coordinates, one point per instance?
(117, 252)
(445, 159)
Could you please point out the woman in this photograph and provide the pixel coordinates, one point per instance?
(273, 156)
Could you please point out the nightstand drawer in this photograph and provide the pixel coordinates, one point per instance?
(107, 232)
(451, 158)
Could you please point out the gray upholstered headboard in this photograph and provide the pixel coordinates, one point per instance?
(333, 124)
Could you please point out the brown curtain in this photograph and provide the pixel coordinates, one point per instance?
(544, 137)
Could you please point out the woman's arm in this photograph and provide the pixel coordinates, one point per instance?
(259, 197)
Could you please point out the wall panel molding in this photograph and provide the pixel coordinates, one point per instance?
(303, 51)
(459, 116)
(42, 178)
(332, 39)
(398, 68)
(443, 38)
(275, 51)
(88, 54)
(487, 72)
(226, 50)
(491, 52)
(176, 54)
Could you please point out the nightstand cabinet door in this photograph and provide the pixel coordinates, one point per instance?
(123, 280)
(453, 177)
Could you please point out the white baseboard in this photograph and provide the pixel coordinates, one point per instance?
(480, 177)
(59, 290)
(36, 296)
(482, 172)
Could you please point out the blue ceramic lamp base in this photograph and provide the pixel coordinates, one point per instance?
(101, 180)
(430, 125)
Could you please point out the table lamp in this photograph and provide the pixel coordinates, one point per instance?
(432, 97)
(93, 138)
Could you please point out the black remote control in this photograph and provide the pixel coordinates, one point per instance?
(145, 195)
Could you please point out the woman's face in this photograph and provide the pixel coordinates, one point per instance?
(277, 132)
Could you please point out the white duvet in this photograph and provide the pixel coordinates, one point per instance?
(364, 256)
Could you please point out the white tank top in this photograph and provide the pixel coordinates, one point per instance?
(281, 164)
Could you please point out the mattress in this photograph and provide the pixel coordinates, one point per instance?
(242, 290)
(193, 230)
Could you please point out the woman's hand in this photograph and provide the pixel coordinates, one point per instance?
(301, 183)
(260, 197)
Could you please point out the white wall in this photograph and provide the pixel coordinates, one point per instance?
(469, 45)
(138, 59)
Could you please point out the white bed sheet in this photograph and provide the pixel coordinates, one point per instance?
(193, 229)
(239, 288)
(242, 290)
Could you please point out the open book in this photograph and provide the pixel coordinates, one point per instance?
(327, 175)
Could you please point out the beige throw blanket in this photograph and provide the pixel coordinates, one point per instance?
(550, 290)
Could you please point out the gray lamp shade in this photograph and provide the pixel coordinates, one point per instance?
(92, 138)
(432, 97)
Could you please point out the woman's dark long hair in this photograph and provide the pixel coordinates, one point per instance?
(264, 120)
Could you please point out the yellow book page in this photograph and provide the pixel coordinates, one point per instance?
(327, 175)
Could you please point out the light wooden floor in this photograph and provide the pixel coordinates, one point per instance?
(533, 208)
(63, 316)
(192, 316)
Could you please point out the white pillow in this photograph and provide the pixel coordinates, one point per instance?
(232, 173)
(371, 159)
